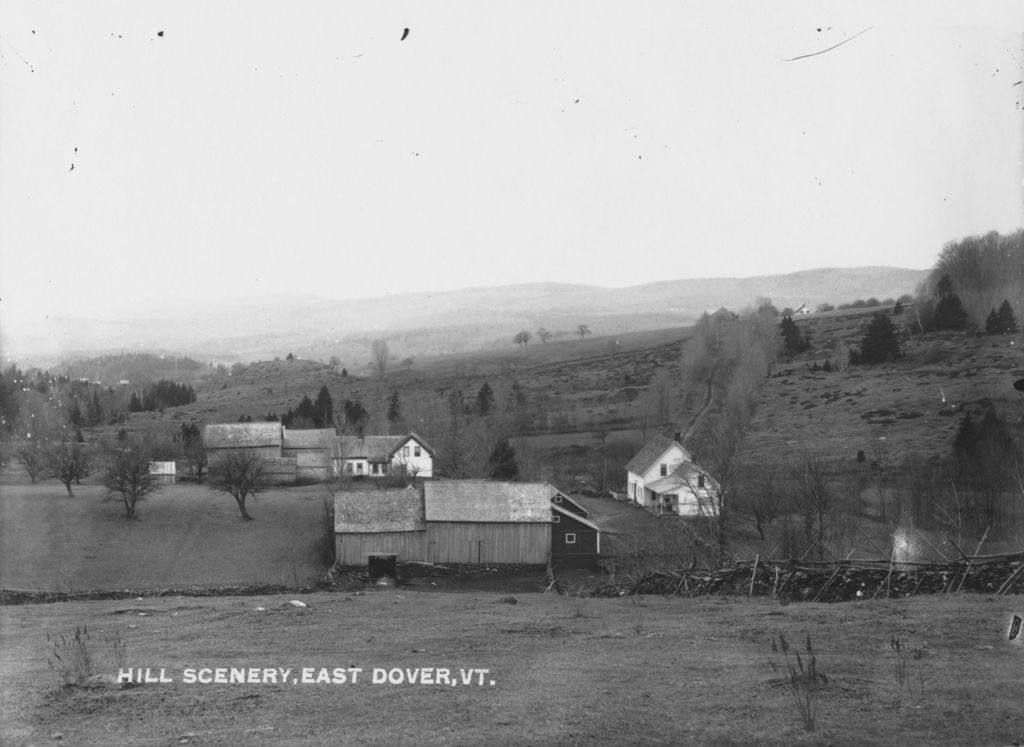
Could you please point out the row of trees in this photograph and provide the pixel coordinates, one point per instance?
(523, 338)
(163, 393)
(980, 272)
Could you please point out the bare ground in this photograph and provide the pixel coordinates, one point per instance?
(564, 671)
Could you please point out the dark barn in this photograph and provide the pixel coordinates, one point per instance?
(575, 540)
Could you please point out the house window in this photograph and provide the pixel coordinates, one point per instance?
(405, 451)
(664, 470)
(555, 519)
(570, 539)
(416, 450)
(557, 499)
(359, 468)
(700, 481)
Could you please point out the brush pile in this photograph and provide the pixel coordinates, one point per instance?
(838, 581)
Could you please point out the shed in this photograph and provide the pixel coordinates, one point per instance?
(480, 521)
(163, 472)
(375, 522)
(575, 540)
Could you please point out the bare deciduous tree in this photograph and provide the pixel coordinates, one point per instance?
(126, 473)
(240, 473)
(816, 502)
(583, 330)
(68, 461)
(381, 357)
(32, 455)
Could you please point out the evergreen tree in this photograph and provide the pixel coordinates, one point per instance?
(324, 406)
(93, 411)
(1007, 320)
(792, 341)
(305, 414)
(484, 400)
(992, 325)
(355, 416)
(949, 311)
(394, 408)
(897, 309)
(502, 461)
(880, 342)
(75, 416)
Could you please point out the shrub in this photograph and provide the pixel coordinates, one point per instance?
(76, 658)
(804, 680)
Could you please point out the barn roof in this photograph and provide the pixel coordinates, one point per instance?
(379, 448)
(651, 452)
(487, 501)
(565, 500)
(575, 517)
(313, 438)
(241, 435)
(360, 511)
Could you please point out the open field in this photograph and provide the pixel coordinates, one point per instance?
(185, 535)
(565, 671)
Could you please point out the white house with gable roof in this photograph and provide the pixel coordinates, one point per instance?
(663, 478)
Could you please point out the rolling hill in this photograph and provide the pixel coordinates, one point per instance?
(423, 323)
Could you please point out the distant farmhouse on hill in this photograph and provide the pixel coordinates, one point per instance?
(318, 455)
(378, 456)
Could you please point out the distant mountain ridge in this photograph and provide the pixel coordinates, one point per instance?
(254, 328)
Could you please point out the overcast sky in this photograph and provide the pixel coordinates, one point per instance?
(246, 148)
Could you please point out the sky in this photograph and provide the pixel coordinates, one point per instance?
(169, 151)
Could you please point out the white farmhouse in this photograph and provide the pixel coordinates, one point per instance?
(378, 456)
(663, 478)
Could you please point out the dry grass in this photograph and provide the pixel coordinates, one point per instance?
(185, 535)
(648, 670)
(915, 404)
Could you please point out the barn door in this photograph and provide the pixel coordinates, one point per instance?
(476, 550)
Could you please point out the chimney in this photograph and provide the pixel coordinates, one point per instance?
(677, 437)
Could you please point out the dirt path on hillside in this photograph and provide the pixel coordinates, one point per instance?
(704, 408)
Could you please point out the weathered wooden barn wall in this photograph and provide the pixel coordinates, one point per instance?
(477, 542)
(311, 466)
(352, 548)
(214, 453)
(279, 470)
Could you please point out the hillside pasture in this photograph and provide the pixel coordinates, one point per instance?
(560, 670)
(185, 535)
(889, 410)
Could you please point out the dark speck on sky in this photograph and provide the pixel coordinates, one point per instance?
(404, 35)
(159, 33)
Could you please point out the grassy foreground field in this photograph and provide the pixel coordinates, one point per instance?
(185, 535)
(564, 671)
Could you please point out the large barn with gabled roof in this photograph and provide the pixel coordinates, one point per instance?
(480, 521)
(264, 439)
